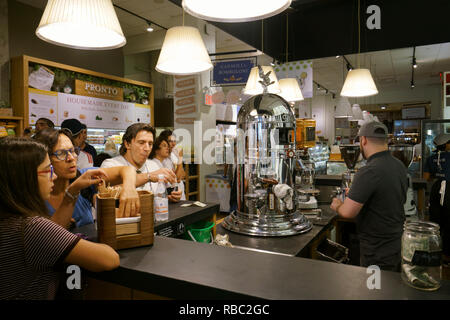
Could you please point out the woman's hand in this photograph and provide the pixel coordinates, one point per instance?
(130, 204)
(87, 179)
(175, 196)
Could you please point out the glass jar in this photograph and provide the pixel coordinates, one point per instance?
(421, 255)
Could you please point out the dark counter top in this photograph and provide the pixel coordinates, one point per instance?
(184, 269)
(289, 245)
(187, 215)
(336, 180)
(177, 215)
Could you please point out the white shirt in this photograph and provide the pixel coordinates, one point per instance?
(149, 166)
(174, 157)
(167, 163)
(84, 160)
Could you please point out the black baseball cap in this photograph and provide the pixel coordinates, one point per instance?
(73, 125)
(373, 129)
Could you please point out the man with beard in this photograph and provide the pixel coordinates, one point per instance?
(376, 199)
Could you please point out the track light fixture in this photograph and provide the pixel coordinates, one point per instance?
(319, 86)
(349, 65)
(149, 27)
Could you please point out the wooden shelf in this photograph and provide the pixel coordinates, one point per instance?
(19, 83)
(10, 118)
(189, 178)
(19, 120)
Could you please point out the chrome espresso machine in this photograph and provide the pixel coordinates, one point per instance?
(405, 153)
(266, 197)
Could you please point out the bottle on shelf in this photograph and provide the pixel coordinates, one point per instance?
(161, 202)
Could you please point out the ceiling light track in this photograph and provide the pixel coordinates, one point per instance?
(138, 16)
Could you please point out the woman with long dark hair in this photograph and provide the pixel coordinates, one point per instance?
(63, 156)
(160, 156)
(32, 247)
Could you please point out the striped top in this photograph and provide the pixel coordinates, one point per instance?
(32, 251)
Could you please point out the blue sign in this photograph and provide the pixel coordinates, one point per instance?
(231, 72)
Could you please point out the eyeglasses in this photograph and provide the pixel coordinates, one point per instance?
(62, 154)
(47, 171)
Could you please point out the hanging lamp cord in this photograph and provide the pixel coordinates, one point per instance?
(262, 35)
(359, 32)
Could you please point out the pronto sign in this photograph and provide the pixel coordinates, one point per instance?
(96, 90)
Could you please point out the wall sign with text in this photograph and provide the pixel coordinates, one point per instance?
(231, 72)
(93, 112)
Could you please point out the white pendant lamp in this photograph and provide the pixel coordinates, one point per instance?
(357, 113)
(183, 52)
(81, 24)
(234, 10)
(359, 83)
(343, 108)
(290, 90)
(254, 87)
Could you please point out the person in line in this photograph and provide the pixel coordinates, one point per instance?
(100, 158)
(43, 123)
(175, 159)
(63, 157)
(84, 146)
(176, 154)
(160, 158)
(33, 247)
(85, 159)
(137, 143)
(376, 198)
(437, 170)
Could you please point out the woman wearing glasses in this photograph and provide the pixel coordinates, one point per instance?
(63, 157)
(32, 246)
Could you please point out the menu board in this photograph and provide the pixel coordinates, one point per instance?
(42, 104)
(142, 113)
(93, 112)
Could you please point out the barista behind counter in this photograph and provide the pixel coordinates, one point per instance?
(376, 199)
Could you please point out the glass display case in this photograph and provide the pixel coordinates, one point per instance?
(430, 129)
(319, 155)
(105, 139)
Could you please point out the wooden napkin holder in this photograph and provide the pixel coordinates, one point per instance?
(125, 235)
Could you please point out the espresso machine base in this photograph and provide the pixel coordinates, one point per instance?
(267, 225)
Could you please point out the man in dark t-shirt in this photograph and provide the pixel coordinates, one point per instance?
(376, 199)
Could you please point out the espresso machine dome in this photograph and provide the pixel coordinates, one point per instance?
(266, 204)
(405, 153)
